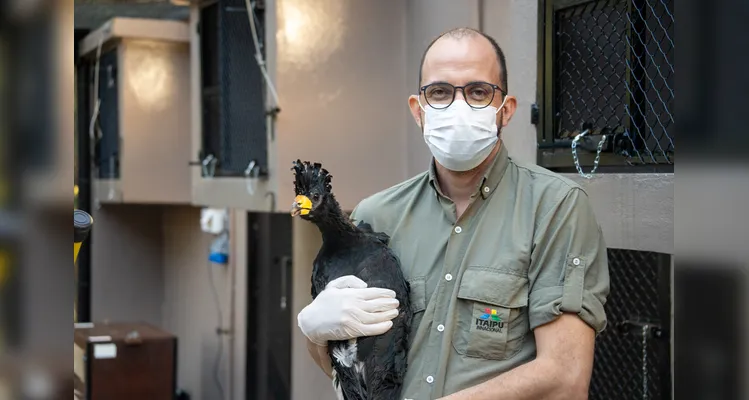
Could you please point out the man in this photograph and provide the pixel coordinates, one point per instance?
(506, 262)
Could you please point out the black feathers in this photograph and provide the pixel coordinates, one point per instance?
(310, 176)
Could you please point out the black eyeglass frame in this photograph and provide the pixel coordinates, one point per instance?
(462, 89)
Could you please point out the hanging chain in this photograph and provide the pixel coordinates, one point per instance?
(598, 154)
(645, 332)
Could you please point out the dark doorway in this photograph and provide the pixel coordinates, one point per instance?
(269, 307)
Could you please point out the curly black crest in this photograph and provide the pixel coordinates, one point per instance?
(309, 175)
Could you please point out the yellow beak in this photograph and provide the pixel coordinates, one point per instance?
(302, 206)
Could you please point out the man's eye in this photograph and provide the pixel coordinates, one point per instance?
(438, 93)
(479, 93)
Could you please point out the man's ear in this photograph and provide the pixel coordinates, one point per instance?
(413, 105)
(511, 104)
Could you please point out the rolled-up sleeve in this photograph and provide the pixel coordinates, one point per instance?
(569, 265)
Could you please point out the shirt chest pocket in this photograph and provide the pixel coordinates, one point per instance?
(492, 314)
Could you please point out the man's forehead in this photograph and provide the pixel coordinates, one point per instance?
(461, 60)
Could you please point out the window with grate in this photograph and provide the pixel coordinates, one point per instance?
(233, 97)
(633, 353)
(607, 68)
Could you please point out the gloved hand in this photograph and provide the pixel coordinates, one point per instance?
(347, 309)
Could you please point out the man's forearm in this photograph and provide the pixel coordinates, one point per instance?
(320, 355)
(538, 379)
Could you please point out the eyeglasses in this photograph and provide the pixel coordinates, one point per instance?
(441, 95)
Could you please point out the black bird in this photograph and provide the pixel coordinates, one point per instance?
(367, 368)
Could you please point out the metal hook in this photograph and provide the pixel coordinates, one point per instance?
(252, 170)
(209, 162)
(251, 173)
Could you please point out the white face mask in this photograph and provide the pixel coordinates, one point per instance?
(459, 137)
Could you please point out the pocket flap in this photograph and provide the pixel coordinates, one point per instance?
(418, 296)
(492, 286)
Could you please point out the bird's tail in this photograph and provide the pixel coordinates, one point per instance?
(347, 385)
(385, 392)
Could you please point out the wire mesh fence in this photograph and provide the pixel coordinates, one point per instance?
(612, 67)
(632, 356)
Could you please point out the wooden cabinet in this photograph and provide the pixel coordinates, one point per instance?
(124, 361)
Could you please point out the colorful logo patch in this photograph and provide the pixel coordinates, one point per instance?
(490, 314)
(489, 321)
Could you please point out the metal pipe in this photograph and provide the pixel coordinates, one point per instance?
(557, 144)
(232, 306)
(83, 266)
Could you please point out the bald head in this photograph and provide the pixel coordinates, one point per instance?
(463, 47)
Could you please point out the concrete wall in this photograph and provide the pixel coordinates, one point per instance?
(150, 263)
(340, 73)
(636, 211)
(514, 25)
(127, 277)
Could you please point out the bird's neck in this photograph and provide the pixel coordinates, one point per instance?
(336, 226)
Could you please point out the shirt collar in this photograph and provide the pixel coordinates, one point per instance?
(490, 180)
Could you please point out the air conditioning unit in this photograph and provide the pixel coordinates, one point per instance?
(140, 110)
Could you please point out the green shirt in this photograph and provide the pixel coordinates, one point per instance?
(526, 249)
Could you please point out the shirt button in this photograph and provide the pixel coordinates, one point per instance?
(440, 327)
(486, 189)
(458, 229)
(448, 277)
(576, 261)
(430, 379)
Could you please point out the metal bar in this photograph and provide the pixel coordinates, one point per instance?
(253, 307)
(264, 263)
(549, 107)
(561, 158)
(562, 4)
(567, 144)
(540, 71)
(83, 278)
(11, 318)
(664, 311)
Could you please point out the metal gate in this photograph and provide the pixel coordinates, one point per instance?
(633, 354)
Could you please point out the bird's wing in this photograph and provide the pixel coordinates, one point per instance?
(385, 356)
(367, 228)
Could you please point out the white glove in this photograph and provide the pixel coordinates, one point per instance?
(347, 309)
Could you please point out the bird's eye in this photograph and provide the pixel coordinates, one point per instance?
(315, 197)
